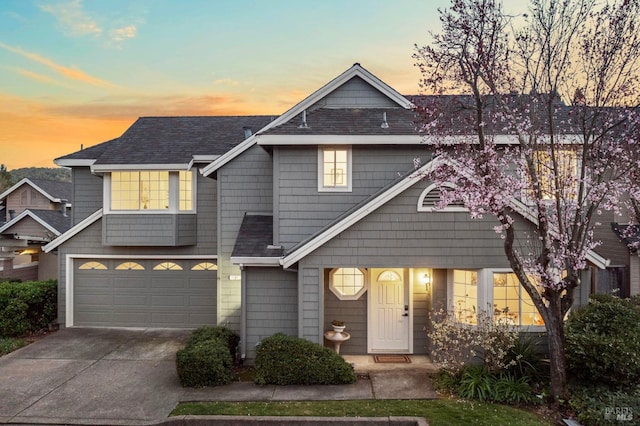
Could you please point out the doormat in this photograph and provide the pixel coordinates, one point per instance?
(392, 359)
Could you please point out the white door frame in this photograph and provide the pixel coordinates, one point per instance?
(407, 277)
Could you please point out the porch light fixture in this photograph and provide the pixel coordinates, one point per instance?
(427, 280)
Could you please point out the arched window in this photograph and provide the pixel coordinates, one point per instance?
(167, 266)
(430, 197)
(131, 266)
(93, 265)
(347, 283)
(389, 276)
(205, 266)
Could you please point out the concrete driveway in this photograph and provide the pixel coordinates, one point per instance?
(94, 376)
(114, 377)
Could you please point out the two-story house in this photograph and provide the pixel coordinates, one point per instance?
(280, 224)
(36, 211)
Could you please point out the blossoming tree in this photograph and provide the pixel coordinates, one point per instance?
(544, 124)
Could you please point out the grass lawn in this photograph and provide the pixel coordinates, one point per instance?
(10, 344)
(442, 412)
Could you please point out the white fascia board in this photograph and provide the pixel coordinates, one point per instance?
(34, 186)
(255, 261)
(283, 140)
(356, 216)
(101, 168)
(355, 70)
(74, 162)
(73, 231)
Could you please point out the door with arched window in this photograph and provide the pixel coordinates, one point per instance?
(389, 313)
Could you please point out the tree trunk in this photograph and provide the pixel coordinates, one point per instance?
(557, 359)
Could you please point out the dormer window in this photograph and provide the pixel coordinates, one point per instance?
(151, 190)
(334, 169)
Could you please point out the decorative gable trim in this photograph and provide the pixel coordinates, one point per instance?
(28, 213)
(80, 226)
(34, 186)
(355, 71)
(430, 197)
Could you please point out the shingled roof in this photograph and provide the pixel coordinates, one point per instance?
(350, 121)
(255, 237)
(172, 140)
(55, 188)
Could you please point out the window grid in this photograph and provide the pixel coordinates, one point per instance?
(334, 164)
(167, 266)
(186, 190)
(135, 190)
(465, 296)
(511, 303)
(347, 283)
(205, 266)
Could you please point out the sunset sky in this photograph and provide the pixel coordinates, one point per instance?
(78, 72)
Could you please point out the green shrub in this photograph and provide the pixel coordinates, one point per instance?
(603, 341)
(205, 363)
(445, 381)
(224, 334)
(509, 389)
(600, 405)
(27, 306)
(524, 360)
(286, 360)
(476, 382)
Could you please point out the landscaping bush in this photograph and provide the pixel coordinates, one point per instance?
(476, 382)
(524, 360)
(223, 334)
(456, 345)
(27, 306)
(204, 363)
(600, 405)
(603, 341)
(286, 360)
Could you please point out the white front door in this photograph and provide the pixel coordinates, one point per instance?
(389, 313)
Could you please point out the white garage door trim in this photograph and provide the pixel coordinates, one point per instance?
(70, 260)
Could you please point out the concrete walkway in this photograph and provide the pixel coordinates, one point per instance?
(106, 376)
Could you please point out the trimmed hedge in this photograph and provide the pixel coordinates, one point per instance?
(207, 358)
(603, 341)
(224, 334)
(287, 360)
(27, 306)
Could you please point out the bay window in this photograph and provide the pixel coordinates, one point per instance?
(151, 190)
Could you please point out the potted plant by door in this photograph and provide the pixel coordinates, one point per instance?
(338, 326)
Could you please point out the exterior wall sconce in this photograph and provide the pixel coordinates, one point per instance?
(427, 280)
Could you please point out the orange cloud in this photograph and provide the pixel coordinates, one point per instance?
(38, 77)
(71, 73)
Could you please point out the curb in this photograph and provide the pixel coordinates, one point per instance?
(275, 421)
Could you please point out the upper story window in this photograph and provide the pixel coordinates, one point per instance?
(155, 190)
(566, 171)
(28, 197)
(334, 169)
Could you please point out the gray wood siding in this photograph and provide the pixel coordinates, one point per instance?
(302, 210)
(149, 229)
(29, 227)
(87, 194)
(311, 303)
(272, 305)
(355, 93)
(396, 234)
(34, 200)
(353, 313)
(244, 184)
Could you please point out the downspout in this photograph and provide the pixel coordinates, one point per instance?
(243, 314)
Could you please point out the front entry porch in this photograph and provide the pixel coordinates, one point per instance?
(385, 309)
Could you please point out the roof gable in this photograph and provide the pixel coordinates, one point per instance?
(315, 99)
(52, 220)
(55, 191)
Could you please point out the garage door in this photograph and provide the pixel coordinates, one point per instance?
(144, 293)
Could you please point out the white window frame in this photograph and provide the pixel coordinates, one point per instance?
(357, 295)
(450, 208)
(485, 293)
(174, 195)
(348, 174)
(525, 177)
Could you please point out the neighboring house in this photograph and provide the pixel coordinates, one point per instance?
(35, 212)
(280, 224)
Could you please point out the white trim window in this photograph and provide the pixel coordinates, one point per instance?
(150, 191)
(567, 168)
(430, 197)
(348, 283)
(334, 169)
(497, 291)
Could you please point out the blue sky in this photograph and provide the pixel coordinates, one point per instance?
(81, 71)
